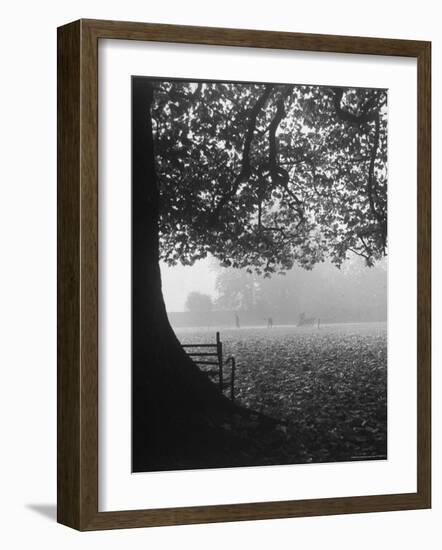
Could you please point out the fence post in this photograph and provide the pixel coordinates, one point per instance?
(219, 349)
(232, 380)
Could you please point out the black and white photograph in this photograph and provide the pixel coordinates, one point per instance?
(220, 242)
(259, 274)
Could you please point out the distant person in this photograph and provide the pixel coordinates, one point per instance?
(304, 320)
(270, 322)
(237, 321)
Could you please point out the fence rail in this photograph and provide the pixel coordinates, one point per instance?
(223, 382)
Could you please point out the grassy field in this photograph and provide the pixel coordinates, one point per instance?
(327, 386)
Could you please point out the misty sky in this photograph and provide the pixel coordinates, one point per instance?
(179, 280)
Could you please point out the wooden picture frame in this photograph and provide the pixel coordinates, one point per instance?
(78, 274)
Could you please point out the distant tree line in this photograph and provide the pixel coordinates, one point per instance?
(352, 293)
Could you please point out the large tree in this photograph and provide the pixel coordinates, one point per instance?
(261, 176)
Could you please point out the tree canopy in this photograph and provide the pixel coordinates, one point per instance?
(267, 176)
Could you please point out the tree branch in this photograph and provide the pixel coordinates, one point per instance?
(278, 175)
(245, 171)
(366, 115)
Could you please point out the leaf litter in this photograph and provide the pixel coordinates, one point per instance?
(326, 387)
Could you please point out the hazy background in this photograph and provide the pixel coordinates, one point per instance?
(178, 281)
(354, 293)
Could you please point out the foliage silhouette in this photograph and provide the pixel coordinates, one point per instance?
(268, 176)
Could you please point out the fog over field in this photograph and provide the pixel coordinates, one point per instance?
(352, 293)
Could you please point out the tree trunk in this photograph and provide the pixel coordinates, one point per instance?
(177, 413)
